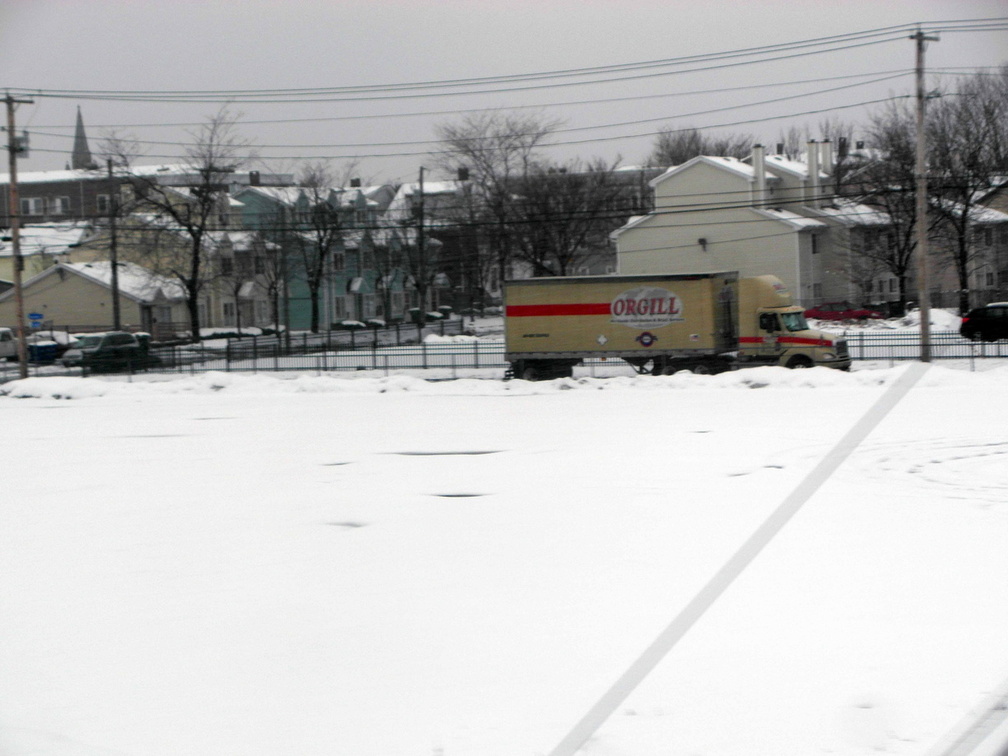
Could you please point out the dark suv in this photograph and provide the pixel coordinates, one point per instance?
(115, 350)
(988, 323)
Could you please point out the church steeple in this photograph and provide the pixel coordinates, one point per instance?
(81, 157)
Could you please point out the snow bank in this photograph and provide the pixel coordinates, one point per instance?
(334, 383)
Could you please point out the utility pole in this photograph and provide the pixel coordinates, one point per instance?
(113, 249)
(421, 267)
(15, 220)
(920, 171)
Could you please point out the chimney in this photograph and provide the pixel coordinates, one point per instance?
(826, 157)
(463, 174)
(780, 148)
(812, 157)
(355, 183)
(254, 178)
(759, 168)
(842, 148)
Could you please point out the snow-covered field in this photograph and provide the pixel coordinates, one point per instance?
(383, 566)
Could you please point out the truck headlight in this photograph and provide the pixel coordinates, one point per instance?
(828, 357)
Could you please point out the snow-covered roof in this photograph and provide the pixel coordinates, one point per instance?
(84, 174)
(135, 281)
(48, 238)
(727, 163)
(633, 222)
(284, 195)
(794, 167)
(799, 222)
(854, 214)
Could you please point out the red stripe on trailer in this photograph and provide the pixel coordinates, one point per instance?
(801, 341)
(547, 310)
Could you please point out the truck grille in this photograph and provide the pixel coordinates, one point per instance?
(841, 349)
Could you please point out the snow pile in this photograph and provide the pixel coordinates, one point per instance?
(368, 383)
(433, 338)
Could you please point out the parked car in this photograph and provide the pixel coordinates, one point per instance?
(988, 323)
(8, 345)
(114, 350)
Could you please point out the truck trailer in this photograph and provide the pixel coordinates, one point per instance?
(660, 324)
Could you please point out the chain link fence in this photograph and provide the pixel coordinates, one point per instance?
(443, 347)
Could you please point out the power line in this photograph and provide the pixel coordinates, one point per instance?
(555, 131)
(414, 114)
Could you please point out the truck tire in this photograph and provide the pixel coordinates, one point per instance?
(530, 373)
(799, 361)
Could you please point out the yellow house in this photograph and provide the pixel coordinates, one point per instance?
(42, 246)
(78, 297)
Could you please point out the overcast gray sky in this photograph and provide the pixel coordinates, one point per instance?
(146, 45)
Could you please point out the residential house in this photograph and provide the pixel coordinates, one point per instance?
(42, 245)
(361, 279)
(79, 297)
(719, 213)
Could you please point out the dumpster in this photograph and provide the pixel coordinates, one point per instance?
(42, 352)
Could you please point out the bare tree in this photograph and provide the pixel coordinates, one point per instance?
(887, 183)
(318, 232)
(195, 207)
(676, 146)
(563, 214)
(967, 134)
(496, 149)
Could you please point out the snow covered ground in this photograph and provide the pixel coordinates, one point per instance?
(358, 565)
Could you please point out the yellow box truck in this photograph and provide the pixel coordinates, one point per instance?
(660, 324)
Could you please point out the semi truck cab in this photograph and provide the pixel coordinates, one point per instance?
(776, 333)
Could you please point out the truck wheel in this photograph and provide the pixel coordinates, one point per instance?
(530, 373)
(799, 361)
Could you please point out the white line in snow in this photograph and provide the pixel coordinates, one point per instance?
(731, 569)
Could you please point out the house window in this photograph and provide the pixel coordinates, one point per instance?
(32, 206)
(988, 237)
(226, 266)
(990, 278)
(815, 244)
(817, 291)
(339, 308)
(103, 204)
(59, 205)
(260, 265)
(369, 306)
(398, 303)
(229, 313)
(338, 261)
(892, 284)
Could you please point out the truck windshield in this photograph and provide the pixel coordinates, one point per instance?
(794, 321)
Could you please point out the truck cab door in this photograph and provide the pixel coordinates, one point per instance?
(769, 325)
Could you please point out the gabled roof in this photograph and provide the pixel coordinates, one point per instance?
(135, 282)
(50, 238)
(730, 164)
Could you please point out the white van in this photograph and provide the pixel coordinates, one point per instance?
(8, 345)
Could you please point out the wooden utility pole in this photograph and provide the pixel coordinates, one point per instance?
(15, 220)
(920, 171)
(113, 249)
